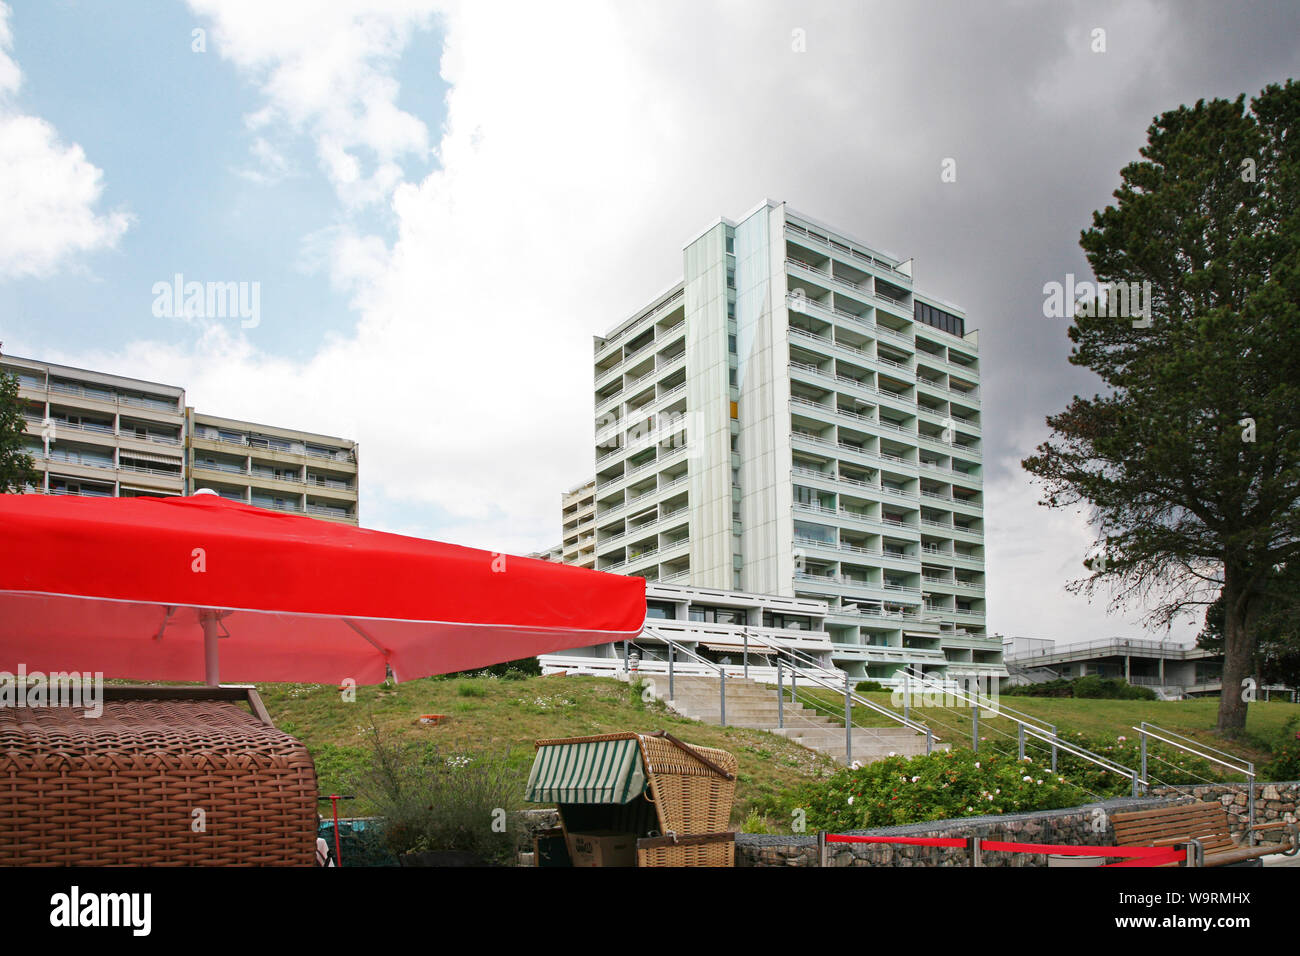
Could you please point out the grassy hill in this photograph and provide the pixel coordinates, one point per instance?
(503, 717)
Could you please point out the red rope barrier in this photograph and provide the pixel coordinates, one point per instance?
(1133, 855)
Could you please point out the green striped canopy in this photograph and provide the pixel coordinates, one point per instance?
(602, 771)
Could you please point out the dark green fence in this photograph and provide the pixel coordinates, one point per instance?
(361, 841)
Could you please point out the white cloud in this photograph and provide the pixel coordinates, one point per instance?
(1032, 552)
(583, 143)
(327, 70)
(48, 190)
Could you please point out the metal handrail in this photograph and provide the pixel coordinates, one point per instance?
(813, 667)
(1030, 726)
(811, 671)
(674, 646)
(986, 702)
(1243, 766)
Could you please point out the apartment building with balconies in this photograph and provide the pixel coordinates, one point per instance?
(100, 435)
(95, 434)
(274, 467)
(796, 418)
(578, 523)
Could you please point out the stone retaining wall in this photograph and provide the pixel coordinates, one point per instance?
(1274, 802)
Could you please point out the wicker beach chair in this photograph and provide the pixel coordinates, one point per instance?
(164, 776)
(674, 797)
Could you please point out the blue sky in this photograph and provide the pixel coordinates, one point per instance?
(166, 125)
(443, 201)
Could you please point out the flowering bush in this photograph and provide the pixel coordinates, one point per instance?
(961, 783)
(1285, 764)
(1165, 765)
(937, 786)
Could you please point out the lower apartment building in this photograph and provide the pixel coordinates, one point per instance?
(578, 523)
(274, 467)
(795, 419)
(100, 435)
(721, 627)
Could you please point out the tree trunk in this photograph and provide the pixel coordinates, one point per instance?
(1238, 651)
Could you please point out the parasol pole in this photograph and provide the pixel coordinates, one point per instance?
(211, 655)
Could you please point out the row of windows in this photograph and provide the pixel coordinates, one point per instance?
(939, 319)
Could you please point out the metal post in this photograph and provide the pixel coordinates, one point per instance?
(211, 653)
(722, 683)
(821, 847)
(625, 649)
(848, 724)
(780, 696)
(1053, 729)
(1020, 741)
(746, 655)
(1250, 800)
(929, 741)
(1142, 735)
(671, 695)
(907, 695)
(976, 852)
(975, 727)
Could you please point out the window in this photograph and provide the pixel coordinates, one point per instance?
(792, 622)
(660, 610)
(939, 319)
(716, 615)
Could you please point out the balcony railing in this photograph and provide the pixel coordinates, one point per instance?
(111, 397)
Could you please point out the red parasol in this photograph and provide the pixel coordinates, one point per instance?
(172, 588)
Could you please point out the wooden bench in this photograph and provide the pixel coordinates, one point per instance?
(1206, 823)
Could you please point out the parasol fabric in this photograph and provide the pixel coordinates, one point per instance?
(140, 587)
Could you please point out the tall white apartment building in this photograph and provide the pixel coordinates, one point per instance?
(794, 418)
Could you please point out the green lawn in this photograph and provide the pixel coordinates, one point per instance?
(504, 717)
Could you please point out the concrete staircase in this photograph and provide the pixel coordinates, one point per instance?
(753, 705)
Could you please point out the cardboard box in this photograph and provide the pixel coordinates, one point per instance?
(602, 848)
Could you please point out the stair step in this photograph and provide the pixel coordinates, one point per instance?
(753, 706)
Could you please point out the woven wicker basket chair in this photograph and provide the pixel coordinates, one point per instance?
(680, 814)
(164, 776)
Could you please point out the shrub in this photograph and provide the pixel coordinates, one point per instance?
(869, 686)
(432, 800)
(962, 783)
(1285, 764)
(1165, 765)
(525, 666)
(937, 786)
(1090, 687)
